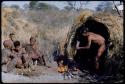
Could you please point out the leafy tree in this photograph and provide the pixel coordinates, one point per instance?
(32, 4)
(68, 8)
(4, 5)
(76, 5)
(41, 6)
(117, 7)
(100, 7)
(105, 6)
(108, 7)
(26, 6)
(45, 6)
(15, 6)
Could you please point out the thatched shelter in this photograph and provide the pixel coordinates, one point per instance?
(111, 28)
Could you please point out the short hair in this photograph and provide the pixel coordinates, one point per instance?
(7, 43)
(16, 43)
(31, 38)
(11, 34)
(84, 30)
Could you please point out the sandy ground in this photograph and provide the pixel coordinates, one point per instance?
(42, 75)
(55, 78)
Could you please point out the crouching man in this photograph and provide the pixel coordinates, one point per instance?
(95, 38)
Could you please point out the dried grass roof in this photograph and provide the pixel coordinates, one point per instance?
(113, 23)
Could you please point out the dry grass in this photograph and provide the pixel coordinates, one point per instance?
(50, 27)
(114, 24)
(115, 28)
(21, 27)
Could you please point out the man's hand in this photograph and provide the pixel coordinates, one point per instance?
(97, 62)
(83, 48)
(97, 65)
(97, 58)
(87, 47)
(78, 48)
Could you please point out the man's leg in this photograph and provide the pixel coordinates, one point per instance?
(100, 52)
(42, 61)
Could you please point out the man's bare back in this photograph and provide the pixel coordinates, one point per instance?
(96, 38)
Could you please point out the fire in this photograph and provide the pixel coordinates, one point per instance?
(62, 69)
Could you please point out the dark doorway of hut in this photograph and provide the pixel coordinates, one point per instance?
(85, 58)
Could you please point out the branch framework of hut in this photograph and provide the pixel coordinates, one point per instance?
(108, 26)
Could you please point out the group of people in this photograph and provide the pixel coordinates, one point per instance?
(17, 55)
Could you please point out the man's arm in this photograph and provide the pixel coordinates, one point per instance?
(89, 44)
(77, 45)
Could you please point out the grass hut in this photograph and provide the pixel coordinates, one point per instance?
(109, 26)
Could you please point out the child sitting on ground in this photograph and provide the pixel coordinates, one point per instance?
(18, 54)
(21, 57)
(7, 56)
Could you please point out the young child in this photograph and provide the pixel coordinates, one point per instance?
(35, 53)
(6, 52)
(18, 54)
(22, 59)
(7, 56)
